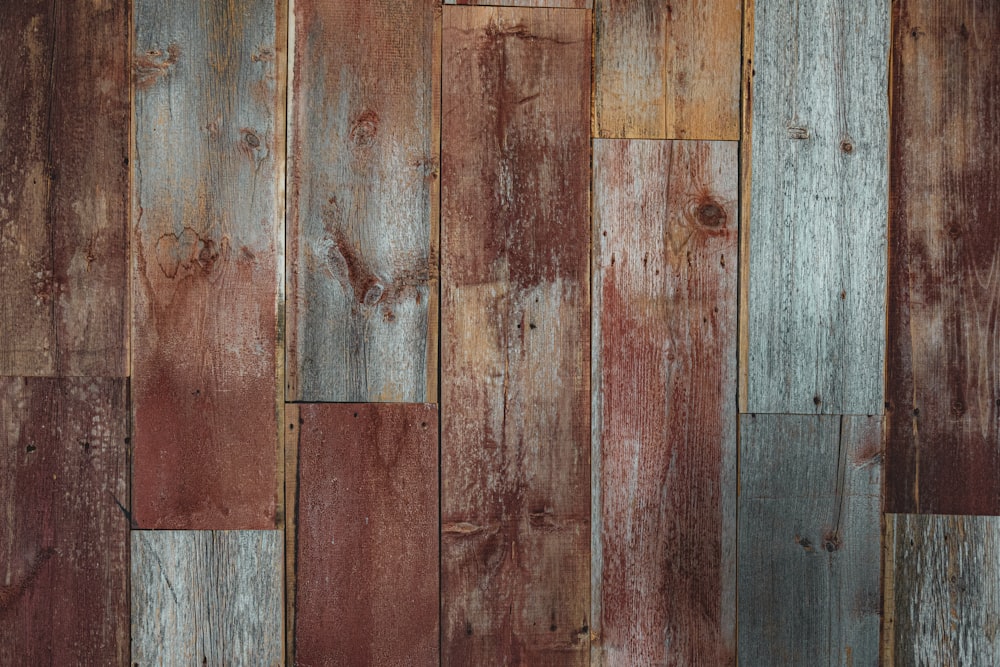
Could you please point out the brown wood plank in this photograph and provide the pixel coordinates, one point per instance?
(944, 286)
(64, 117)
(664, 493)
(515, 336)
(566, 4)
(367, 535)
(64, 546)
(208, 153)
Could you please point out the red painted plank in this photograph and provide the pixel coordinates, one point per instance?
(367, 523)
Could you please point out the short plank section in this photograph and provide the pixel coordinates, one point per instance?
(516, 337)
(944, 340)
(664, 448)
(367, 535)
(567, 4)
(206, 237)
(64, 498)
(63, 188)
(818, 207)
(809, 529)
(207, 597)
(363, 201)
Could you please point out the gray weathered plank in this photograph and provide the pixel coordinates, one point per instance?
(207, 597)
(809, 528)
(818, 207)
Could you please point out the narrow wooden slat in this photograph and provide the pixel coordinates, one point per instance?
(367, 545)
(64, 498)
(818, 207)
(944, 341)
(809, 527)
(515, 337)
(205, 277)
(363, 201)
(566, 4)
(63, 188)
(291, 523)
(664, 449)
(207, 597)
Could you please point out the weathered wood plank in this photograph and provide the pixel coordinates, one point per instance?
(207, 597)
(291, 524)
(64, 546)
(363, 201)
(809, 528)
(566, 4)
(942, 596)
(64, 118)
(667, 70)
(943, 366)
(664, 450)
(515, 337)
(367, 545)
(205, 245)
(818, 208)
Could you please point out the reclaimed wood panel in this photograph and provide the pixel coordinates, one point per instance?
(667, 70)
(208, 153)
(363, 201)
(566, 4)
(515, 337)
(942, 594)
(64, 118)
(204, 597)
(818, 207)
(64, 547)
(809, 539)
(943, 366)
(367, 544)
(664, 375)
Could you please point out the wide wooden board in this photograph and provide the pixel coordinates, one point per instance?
(664, 416)
(209, 145)
(64, 543)
(515, 337)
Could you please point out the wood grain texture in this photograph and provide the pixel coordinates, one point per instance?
(367, 547)
(809, 529)
(206, 239)
(207, 597)
(566, 4)
(664, 449)
(943, 366)
(64, 498)
(942, 596)
(291, 524)
(818, 209)
(515, 337)
(667, 70)
(363, 201)
(64, 118)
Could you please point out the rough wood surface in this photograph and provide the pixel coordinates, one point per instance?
(664, 450)
(515, 337)
(567, 4)
(64, 119)
(205, 241)
(809, 529)
(291, 523)
(667, 70)
(367, 546)
(942, 596)
(207, 597)
(943, 366)
(818, 207)
(363, 198)
(64, 543)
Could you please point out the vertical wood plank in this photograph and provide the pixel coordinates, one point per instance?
(664, 495)
(205, 276)
(63, 550)
(565, 4)
(363, 201)
(809, 539)
(367, 545)
(944, 343)
(818, 209)
(291, 527)
(64, 117)
(207, 597)
(515, 336)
